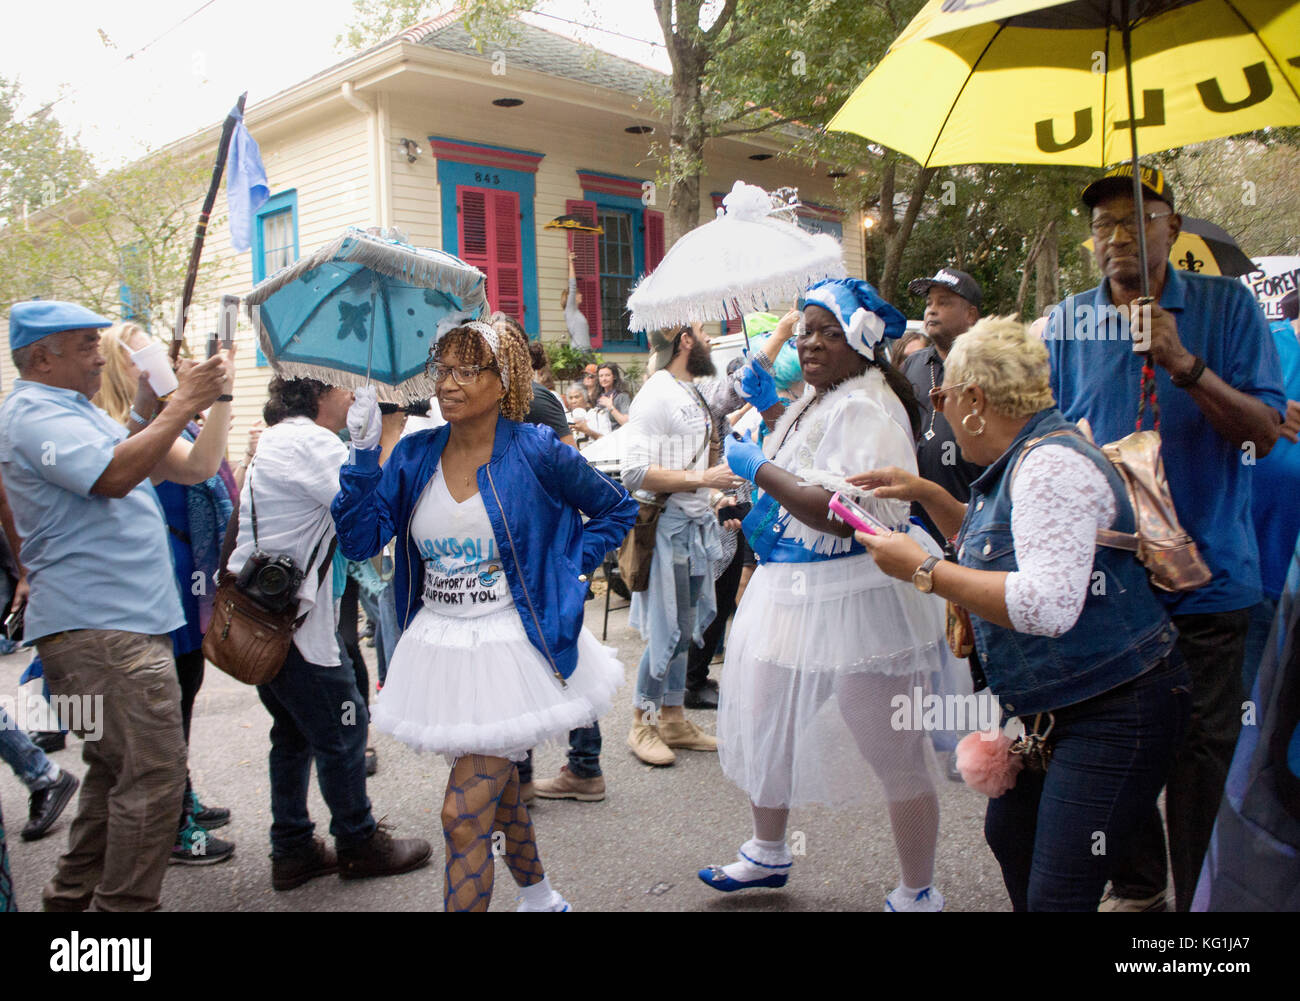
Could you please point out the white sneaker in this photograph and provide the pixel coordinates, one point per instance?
(928, 899)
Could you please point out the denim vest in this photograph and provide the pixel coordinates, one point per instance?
(1121, 632)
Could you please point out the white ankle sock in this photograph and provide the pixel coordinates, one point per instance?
(759, 859)
(540, 897)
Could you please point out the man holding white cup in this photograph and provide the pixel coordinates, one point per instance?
(102, 600)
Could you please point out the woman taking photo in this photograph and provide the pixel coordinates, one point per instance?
(1069, 633)
(492, 558)
(823, 642)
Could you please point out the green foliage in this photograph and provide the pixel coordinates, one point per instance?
(373, 21)
(39, 163)
(566, 361)
(131, 227)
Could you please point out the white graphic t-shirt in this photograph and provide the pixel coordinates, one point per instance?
(464, 575)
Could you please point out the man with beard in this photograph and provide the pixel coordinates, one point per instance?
(952, 305)
(673, 451)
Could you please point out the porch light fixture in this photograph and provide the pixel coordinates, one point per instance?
(411, 148)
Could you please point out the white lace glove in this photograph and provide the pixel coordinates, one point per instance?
(364, 424)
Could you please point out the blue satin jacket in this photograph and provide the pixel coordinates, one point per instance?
(533, 488)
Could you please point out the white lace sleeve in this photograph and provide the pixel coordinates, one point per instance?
(1058, 501)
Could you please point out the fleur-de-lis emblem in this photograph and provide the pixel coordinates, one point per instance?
(1190, 262)
(352, 320)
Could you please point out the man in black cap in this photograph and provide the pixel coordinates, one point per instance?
(952, 305)
(1219, 388)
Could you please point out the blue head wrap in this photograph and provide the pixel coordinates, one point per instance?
(866, 318)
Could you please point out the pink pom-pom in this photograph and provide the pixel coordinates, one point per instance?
(988, 766)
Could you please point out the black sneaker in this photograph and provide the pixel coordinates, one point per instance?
(195, 846)
(290, 871)
(46, 804)
(383, 855)
(207, 817)
(49, 741)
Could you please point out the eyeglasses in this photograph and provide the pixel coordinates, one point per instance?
(462, 375)
(939, 392)
(1104, 228)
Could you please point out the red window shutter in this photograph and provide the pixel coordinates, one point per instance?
(472, 211)
(654, 239)
(586, 264)
(509, 278)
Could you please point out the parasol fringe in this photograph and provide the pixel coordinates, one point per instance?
(736, 302)
(418, 387)
(451, 274)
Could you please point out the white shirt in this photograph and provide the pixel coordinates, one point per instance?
(666, 426)
(296, 475)
(463, 573)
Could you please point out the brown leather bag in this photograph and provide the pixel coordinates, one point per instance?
(246, 640)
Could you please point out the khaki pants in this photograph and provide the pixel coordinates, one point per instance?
(120, 842)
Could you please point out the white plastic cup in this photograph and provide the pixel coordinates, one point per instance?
(153, 360)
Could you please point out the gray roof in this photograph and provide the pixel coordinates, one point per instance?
(546, 52)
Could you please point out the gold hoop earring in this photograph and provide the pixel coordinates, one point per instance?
(973, 432)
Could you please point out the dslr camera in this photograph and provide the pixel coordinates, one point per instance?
(271, 581)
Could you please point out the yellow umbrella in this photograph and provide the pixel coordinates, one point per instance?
(1043, 81)
(1057, 81)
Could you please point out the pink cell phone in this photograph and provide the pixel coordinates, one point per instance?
(856, 516)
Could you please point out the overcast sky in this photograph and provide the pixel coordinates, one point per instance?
(190, 77)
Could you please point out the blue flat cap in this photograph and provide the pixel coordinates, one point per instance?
(30, 321)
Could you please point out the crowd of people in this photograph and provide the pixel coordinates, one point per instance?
(877, 513)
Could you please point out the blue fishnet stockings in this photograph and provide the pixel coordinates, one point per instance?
(483, 796)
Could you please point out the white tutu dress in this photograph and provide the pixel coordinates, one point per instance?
(464, 678)
(820, 650)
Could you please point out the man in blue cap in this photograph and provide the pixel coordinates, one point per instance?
(103, 600)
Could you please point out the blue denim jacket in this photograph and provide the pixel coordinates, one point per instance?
(533, 488)
(1121, 632)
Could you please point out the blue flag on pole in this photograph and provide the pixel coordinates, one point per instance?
(246, 187)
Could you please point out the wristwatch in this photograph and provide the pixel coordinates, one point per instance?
(923, 578)
(1193, 374)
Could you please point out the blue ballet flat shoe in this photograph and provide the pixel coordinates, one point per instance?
(713, 876)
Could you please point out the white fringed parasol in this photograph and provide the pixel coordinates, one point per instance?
(749, 259)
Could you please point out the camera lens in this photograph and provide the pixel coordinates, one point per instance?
(272, 580)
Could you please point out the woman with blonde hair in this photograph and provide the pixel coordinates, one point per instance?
(491, 579)
(196, 497)
(1069, 633)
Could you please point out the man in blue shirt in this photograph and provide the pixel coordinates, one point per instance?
(1221, 402)
(103, 599)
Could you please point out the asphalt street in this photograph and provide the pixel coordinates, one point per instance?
(638, 850)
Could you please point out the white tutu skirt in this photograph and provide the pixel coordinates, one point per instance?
(461, 686)
(816, 661)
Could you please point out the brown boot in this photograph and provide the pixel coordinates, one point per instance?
(289, 871)
(646, 744)
(383, 855)
(685, 734)
(566, 785)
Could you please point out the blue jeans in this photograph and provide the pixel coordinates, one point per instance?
(26, 759)
(382, 611)
(318, 714)
(1057, 835)
(670, 690)
(584, 754)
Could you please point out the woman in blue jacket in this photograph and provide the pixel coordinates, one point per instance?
(491, 582)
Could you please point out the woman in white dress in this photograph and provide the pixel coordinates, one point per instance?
(824, 643)
(492, 559)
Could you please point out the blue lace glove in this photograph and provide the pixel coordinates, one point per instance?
(744, 456)
(757, 387)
